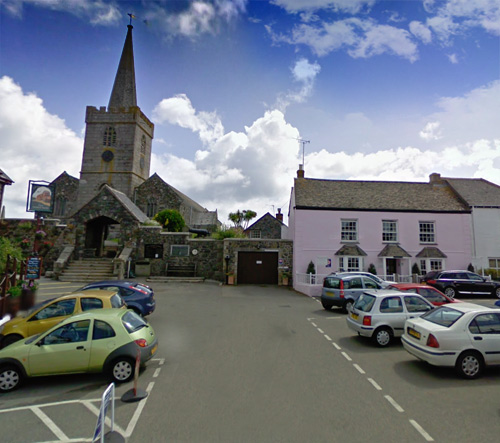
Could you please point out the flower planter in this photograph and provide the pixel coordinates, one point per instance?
(27, 299)
(13, 305)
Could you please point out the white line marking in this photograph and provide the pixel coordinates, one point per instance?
(137, 413)
(328, 338)
(375, 384)
(346, 356)
(334, 318)
(359, 368)
(95, 410)
(321, 331)
(50, 424)
(336, 346)
(393, 403)
(157, 372)
(421, 430)
(314, 324)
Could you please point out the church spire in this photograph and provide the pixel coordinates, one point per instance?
(123, 94)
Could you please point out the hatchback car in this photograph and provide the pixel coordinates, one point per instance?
(462, 282)
(383, 283)
(47, 314)
(463, 335)
(104, 340)
(381, 315)
(138, 296)
(430, 293)
(342, 290)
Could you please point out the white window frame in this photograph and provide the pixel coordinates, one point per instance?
(349, 230)
(431, 264)
(496, 263)
(387, 232)
(350, 263)
(427, 232)
(255, 233)
(180, 250)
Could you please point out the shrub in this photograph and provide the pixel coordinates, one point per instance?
(170, 219)
(224, 232)
(310, 268)
(415, 269)
(8, 248)
(470, 268)
(372, 269)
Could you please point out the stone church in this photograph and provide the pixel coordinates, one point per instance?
(115, 192)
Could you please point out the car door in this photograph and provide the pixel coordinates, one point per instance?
(480, 286)
(484, 335)
(355, 287)
(65, 349)
(463, 284)
(391, 313)
(369, 283)
(416, 306)
(50, 315)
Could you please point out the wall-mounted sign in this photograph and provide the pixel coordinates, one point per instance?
(40, 197)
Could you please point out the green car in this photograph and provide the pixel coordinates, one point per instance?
(104, 340)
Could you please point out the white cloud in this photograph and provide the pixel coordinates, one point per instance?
(431, 131)
(349, 6)
(453, 58)
(421, 31)
(99, 12)
(35, 144)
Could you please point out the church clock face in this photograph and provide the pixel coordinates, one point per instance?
(107, 155)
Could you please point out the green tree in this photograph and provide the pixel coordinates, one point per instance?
(242, 218)
(310, 268)
(8, 248)
(372, 269)
(170, 219)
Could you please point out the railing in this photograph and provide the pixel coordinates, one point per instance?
(310, 279)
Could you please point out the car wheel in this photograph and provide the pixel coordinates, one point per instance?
(450, 292)
(348, 306)
(327, 306)
(10, 378)
(497, 292)
(382, 337)
(11, 338)
(122, 369)
(469, 364)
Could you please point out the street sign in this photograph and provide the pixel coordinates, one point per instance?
(107, 398)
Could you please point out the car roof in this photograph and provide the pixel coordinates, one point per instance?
(469, 307)
(98, 293)
(111, 282)
(386, 292)
(100, 314)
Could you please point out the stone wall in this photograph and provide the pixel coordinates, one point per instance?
(268, 226)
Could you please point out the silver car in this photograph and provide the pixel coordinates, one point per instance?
(381, 315)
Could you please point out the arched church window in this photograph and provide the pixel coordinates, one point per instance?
(152, 208)
(143, 144)
(109, 137)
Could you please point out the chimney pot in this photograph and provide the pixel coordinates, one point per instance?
(300, 172)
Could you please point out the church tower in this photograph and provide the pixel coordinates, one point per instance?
(117, 146)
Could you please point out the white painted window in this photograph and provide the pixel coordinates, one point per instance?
(389, 231)
(494, 263)
(350, 264)
(431, 264)
(255, 233)
(349, 230)
(427, 232)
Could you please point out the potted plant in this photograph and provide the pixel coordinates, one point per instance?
(28, 293)
(284, 278)
(230, 278)
(14, 300)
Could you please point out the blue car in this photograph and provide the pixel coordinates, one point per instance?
(138, 296)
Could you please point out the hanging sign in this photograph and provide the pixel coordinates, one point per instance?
(40, 197)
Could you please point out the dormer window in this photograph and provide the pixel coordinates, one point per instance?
(109, 137)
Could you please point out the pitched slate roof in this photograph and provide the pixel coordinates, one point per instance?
(127, 203)
(266, 215)
(4, 178)
(376, 196)
(476, 191)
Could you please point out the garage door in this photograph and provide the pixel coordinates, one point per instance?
(258, 268)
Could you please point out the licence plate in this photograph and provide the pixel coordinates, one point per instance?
(354, 316)
(155, 348)
(414, 333)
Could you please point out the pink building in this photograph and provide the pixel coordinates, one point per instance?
(347, 225)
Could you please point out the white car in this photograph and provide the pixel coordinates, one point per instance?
(381, 314)
(463, 335)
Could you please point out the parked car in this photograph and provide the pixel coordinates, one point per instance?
(462, 282)
(47, 314)
(381, 315)
(383, 283)
(105, 340)
(430, 293)
(465, 336)
(138, 296)
(343, 290)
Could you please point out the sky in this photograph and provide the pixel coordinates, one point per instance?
(243, 91)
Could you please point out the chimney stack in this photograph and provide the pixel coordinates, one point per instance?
(300, 172)
(435, 179)
(279, 215)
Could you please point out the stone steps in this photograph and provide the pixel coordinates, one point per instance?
(88, 270)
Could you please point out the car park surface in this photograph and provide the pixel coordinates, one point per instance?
(463, 335)
(430, 293)
(462, 283)
(47, 314)
(381, 315)
(105, 340)
(138, 296)
(342, 290)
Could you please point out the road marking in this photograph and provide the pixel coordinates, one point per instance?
(359, 368)
(157, 372)
(375, 384)
(328, 338)
(346, 356)
(50, 424)
(338, 317)
(314, 324)
(321, 331)
(138, 411)
(393, 403)
(336, 346)
(421, 430)
(95, 410)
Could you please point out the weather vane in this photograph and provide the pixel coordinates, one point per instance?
(131, 17)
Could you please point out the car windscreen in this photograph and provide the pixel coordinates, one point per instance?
(331, 282)
(443, 316)
(133, 322)
(117, 301)
(365, 302)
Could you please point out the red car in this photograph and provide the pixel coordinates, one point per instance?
(433, 295)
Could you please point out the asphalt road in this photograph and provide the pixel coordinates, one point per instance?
(262, 364)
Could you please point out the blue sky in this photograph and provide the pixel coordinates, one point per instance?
(381, 90)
